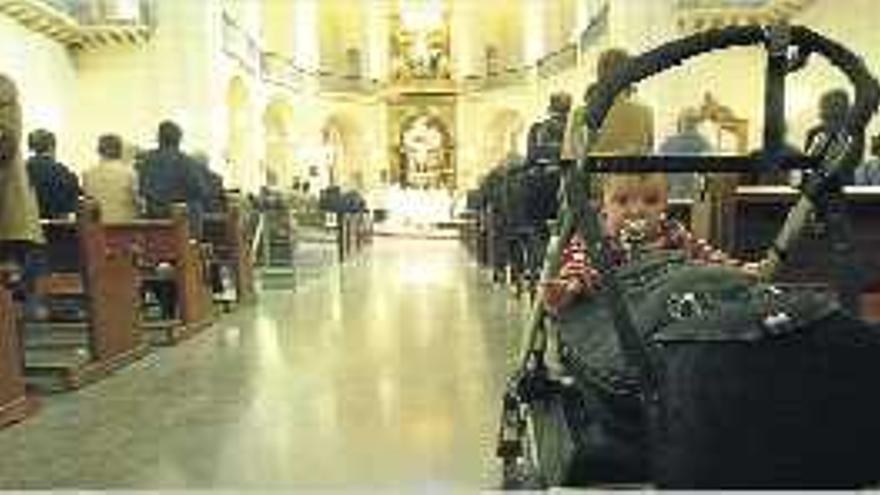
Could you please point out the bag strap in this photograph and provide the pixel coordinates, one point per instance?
(588, 223)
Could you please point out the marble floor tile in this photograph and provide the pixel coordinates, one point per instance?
(384, 373)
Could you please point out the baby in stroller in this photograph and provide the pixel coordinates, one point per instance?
(634, 212)
(633, 207)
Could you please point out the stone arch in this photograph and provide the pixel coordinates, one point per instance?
(278, 143)
(238, 104)
(341, 142)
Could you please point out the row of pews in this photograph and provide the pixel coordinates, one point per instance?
(354, 231)
(745, 225)
(112, 291)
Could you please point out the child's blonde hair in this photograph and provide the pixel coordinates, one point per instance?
(603, 184)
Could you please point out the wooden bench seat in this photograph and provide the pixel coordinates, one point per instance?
(97, 331)
(165, 252)
(15, 404)
(760, 212)
(225, 233)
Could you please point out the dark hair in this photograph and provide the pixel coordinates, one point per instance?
(833, 106)
(610, 61)
(170, 134)
(110, 146)
(560, 102)
(41, 141)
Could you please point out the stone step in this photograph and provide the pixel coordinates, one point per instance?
(32, 328)
(49, 361)
(59, 341)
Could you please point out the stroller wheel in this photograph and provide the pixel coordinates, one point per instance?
(520, 476)
(521, 472)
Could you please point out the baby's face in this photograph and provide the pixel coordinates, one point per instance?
(628, 201)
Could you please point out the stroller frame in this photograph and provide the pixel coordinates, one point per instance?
(788, 49)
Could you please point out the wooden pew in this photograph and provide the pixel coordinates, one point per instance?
(15, 405)
(225, 233)
(162, 243)
(760, 212)
(101, 334)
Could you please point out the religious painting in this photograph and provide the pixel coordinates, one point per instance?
(425, 153)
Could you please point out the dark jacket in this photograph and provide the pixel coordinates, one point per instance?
(856, 152)
(56, 187)
(168, 176)
(545, 141)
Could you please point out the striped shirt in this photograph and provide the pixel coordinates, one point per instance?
(578, 275)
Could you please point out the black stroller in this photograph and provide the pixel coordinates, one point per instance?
(689, 376)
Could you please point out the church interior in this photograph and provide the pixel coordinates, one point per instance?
(439, 245)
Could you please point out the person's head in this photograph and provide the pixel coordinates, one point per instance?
(634, 197)
(610, 61)
(170, 134)
(833, 107)
(110, 147)
(41, 142)
(560, 103)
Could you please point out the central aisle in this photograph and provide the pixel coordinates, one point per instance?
(384, 373)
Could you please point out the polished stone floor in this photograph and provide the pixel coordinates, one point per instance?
(383, 374)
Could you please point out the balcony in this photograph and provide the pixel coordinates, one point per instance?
(241, 46)
(559, 61)
(697, 15)
(85, 24)
(509, 77)
(334, 83)
(278, 69)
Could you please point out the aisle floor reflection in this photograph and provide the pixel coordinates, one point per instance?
(384, 373)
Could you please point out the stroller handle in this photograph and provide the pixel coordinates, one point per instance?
(867, 89)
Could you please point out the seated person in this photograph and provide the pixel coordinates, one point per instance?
(57, 188)
(112, 182)
(868, 173)
(212, 181)
(167, 175)
(634, 209)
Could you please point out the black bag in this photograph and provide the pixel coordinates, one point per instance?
(604, 412)
(762, 387)
(758, 386)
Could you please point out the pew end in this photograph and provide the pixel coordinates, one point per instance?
(90, 326)
(225, 233)
(15, 403)
(171, 267)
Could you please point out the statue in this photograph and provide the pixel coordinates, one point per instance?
(422, 145)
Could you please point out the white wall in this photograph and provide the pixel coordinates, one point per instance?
(44, 73)
(129, 89)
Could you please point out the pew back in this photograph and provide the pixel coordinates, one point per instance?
(225, 232)
(12, 384)
(760, 212)
(159, 241)
(79, 264)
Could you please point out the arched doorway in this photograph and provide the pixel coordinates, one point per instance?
(277, 122)
(238, 136)
(344, 151)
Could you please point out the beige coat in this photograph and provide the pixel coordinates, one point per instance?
(628, 129)
(19, 217)
(113, 183)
